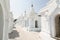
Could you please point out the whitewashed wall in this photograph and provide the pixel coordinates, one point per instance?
(5, 12)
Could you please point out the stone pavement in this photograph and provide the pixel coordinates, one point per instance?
(24, 35)
(20, 33)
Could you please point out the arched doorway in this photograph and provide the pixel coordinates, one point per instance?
(57, 25)
(1, 23)
(36, 24)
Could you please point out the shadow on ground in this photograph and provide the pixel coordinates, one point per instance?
(13, 34)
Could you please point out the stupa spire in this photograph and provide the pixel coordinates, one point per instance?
(25, 12)
(32, 5)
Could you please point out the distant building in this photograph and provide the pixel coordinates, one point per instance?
(34, 21)
(31, 21)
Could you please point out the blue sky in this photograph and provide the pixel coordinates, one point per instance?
(19, 6)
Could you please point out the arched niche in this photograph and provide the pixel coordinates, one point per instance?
(1, 23)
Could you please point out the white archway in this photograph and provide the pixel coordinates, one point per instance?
(1, 23)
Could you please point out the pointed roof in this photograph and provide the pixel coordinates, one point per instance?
(32, 12)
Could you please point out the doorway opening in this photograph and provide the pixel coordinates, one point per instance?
(57, 26)
(36, 24)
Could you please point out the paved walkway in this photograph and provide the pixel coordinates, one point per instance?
(25, 35)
